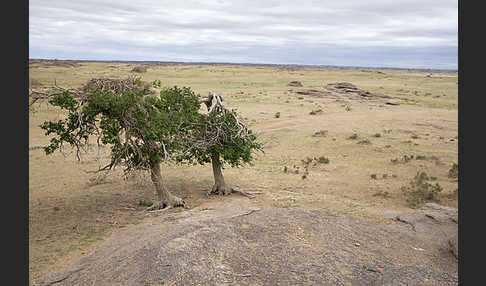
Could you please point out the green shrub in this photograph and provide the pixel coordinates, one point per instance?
(420, 191)
(321, 133)
(404, 159)
(353, 137)
(384, 194)
(323, 160)
(145, 203)
(453, 171)
(364, 142)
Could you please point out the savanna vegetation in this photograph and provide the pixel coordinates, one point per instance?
(352, 153)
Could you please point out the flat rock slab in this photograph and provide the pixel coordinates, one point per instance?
(295, 83)
(236, 244)
(347, 88)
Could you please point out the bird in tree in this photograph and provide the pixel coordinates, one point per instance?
(142, 129)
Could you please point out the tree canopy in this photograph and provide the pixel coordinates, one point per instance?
(144, 129)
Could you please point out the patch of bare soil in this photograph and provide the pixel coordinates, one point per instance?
(34, 83)
(240, 244)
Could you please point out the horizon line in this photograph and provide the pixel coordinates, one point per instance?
(247, 64)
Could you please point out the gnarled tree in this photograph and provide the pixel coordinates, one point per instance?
(221, 138)
(142, 129)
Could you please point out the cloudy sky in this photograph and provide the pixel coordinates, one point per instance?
(371, 33)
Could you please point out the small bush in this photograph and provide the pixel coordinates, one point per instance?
(453, 171)
(323, 160)
(321, 133)
(306, 163)
(384, 194)
(353, 137)
(404, 159)
(364, 142)
(377, 135)
(145, 203)
(373, 176)
(277, 115)
(420, 190)
(314, 112)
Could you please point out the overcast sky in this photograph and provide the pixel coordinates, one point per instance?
(373, 33)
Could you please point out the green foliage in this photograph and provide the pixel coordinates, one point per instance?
(353, 137)
(222, 135)
(323, 160)
(145, 203)
(140, 127)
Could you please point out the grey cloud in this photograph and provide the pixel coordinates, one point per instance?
(254, 31)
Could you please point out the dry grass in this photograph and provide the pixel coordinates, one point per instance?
(72, 211)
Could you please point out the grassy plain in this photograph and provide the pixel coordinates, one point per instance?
(71, 211)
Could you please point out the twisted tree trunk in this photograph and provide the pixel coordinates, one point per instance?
(219, 186)
(166, 199)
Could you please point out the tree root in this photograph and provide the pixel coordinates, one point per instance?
(224, 191)
(163, 205)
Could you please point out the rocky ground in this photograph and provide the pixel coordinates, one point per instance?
(237, 244)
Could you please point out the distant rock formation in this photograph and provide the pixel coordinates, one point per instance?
(295, 83)
(347, 88)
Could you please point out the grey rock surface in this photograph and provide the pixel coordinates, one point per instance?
(237, 244)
